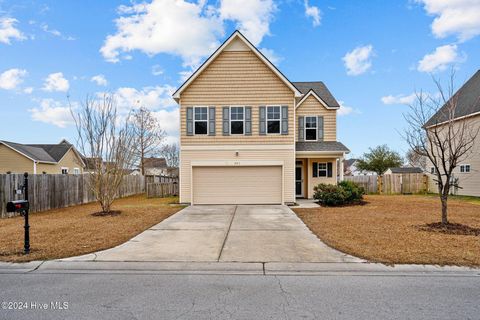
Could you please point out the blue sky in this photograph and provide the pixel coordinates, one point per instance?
(371, 54)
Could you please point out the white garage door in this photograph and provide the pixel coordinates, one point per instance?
(237, 185)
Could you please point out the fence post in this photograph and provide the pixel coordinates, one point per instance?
(380, 184)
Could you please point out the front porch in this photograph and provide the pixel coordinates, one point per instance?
(318, 162)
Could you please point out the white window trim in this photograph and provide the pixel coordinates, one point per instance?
(465, 167)
(230, 121)
(64, 168)
(76, 171)
(305, 128)
(326, 169)
(194, 120)
(279, 120)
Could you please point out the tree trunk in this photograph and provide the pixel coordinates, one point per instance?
(444, 209)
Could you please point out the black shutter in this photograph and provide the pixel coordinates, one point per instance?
(329, 169)
(315, 169)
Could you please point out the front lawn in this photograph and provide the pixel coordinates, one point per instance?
(75, 231)
(392, 229)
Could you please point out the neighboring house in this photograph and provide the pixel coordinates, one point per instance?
(401, 170)
(467, 174)
(40, 158)
(155, 166)
(250, 136)
(351, 169)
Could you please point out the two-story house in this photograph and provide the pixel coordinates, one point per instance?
(250, 136)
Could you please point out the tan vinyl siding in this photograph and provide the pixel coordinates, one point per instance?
(312, 107)
(313, 181)
(13, 161)
(71, 161)
(237, 185)
(237, 78)
(469, 182)
(286, 156)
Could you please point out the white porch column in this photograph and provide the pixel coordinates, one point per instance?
(341, 167)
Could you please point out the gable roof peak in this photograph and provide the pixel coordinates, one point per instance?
(235, 35)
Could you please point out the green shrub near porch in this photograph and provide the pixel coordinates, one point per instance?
(346, 192)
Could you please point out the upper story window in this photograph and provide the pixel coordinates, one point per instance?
(76, 171)
(465, 168)
(64, 170)
(200, 120)
(432, 170)
(311, 128)
(273, 119)
(237, 120)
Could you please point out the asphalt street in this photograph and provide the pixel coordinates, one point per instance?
(157, 296)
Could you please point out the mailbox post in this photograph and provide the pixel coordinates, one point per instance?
(22, 206)
(27, 226)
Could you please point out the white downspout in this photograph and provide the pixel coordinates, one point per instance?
(34, 167)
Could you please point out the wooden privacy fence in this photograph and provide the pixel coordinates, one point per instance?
(369, 183)
(162, 189)
(52, 191)
(406, 183)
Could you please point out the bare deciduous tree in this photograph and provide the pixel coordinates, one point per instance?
(415, 159)
(108, 142)
(148, 135)
(171, 154)
(435, 132)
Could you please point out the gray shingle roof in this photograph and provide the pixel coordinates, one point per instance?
(56, 151)
(406, 170)
(41, 152)
(334, 146)
(468, 101)
(320, 89)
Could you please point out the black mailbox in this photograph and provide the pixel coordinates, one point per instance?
(17, 206)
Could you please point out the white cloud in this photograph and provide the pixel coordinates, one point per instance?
(56, 82)
(28, 90)
(345, 110)
(271, 55)
(313, 12)
(457, 17)
(191, 30)
(252, 17)
(11, 78)
(149, 97)
(164, 26)
(399, 99)
(100, 80)
(358, 60)
(52, 112)
(185, 74)
(169, 121)
(157, 70)
(8, 30)
(55, 32)
(440, 59)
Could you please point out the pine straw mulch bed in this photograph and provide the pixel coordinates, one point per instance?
(77, 230)
(400, 229)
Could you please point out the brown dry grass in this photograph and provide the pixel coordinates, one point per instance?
(75, 231)
(388, 229)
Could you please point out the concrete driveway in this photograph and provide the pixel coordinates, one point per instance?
(227, 233)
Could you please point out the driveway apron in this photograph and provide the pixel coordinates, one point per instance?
(227, 233)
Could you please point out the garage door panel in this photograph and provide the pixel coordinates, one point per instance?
(237, 185)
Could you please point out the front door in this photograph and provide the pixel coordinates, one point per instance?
(298, 181)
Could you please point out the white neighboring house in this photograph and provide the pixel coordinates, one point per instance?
(155, 166)
(401, 170)
(351, 169)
